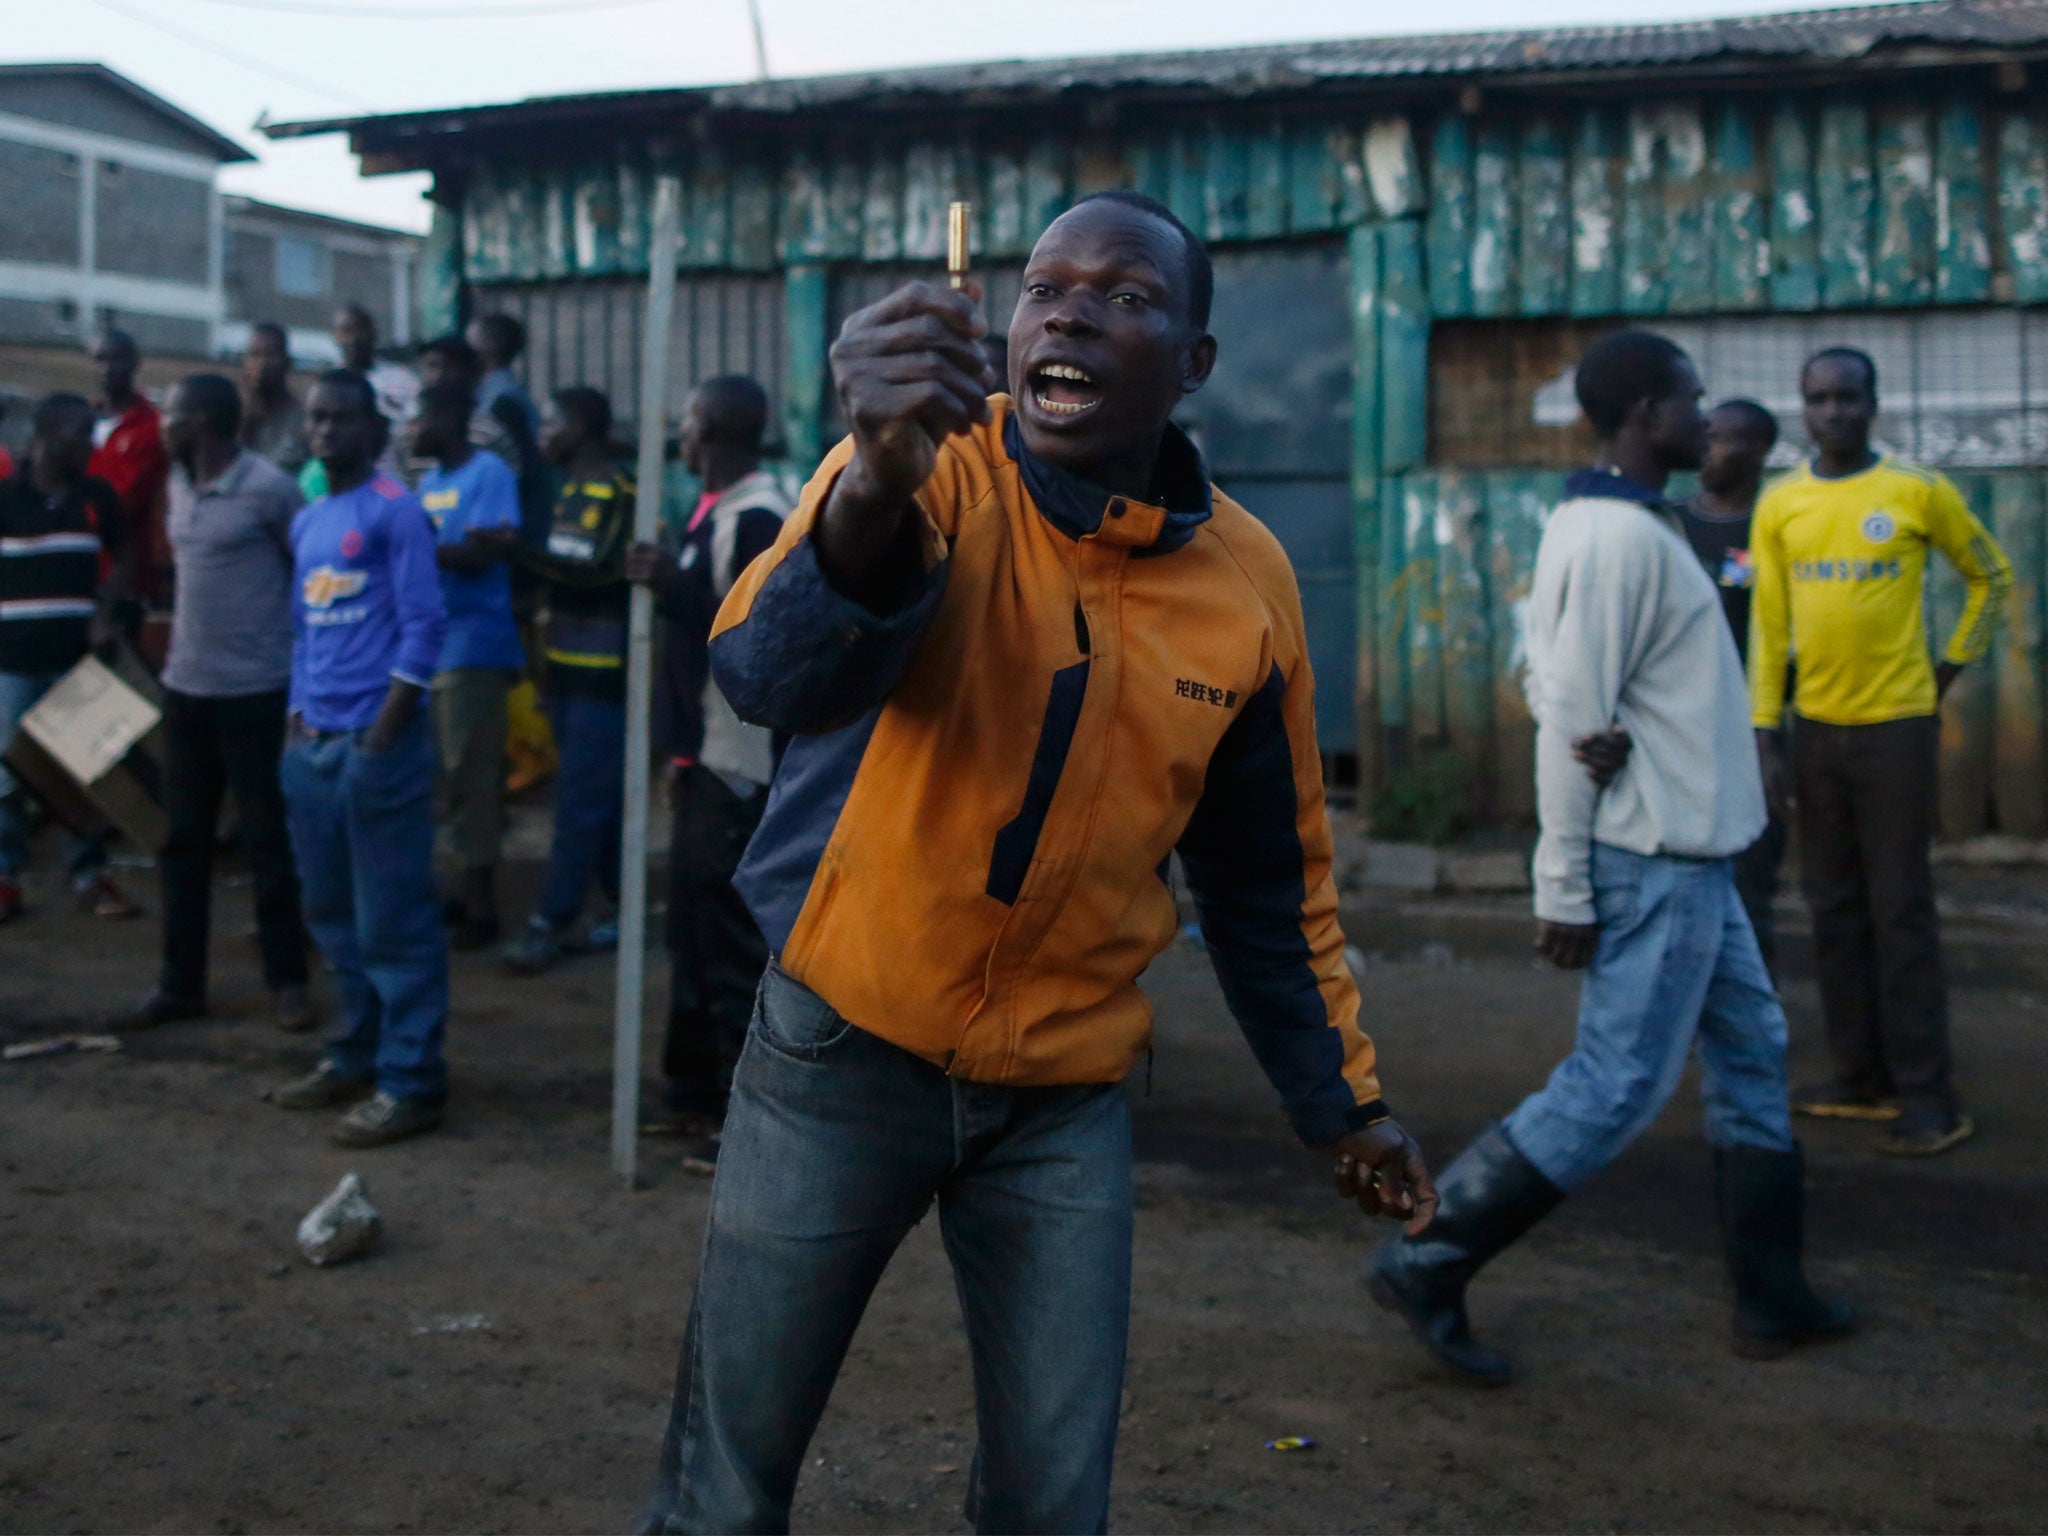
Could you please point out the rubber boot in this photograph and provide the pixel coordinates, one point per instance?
(1760, 1196)
(1487, 1198)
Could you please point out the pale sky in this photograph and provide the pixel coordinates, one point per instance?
(332, 58)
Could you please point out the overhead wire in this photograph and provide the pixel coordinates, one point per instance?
(235, 56)
(492, 10)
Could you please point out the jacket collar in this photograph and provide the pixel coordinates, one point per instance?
(1616, 487)
(1180, 496)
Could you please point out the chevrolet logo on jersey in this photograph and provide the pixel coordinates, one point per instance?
(324, 586)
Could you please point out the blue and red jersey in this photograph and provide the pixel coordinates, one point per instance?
(366, 605)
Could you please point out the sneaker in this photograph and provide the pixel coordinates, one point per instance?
(534, 951)
(702, 1158)
(1927, 1133)
(159, 1008)
(381, 1120)
(599, 938)
(102, 898)
(693, 1124)
(294, 1009)
(10, 901)
(1830, 1101)
(325, 1087)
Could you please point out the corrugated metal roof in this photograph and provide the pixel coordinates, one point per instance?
(1822, 37)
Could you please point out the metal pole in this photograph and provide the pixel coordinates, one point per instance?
(661, 298)
(760, 40)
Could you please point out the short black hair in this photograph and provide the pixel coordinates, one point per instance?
(506, 334)
(1843, 355)
(735, 410)
(353, 383)
(588, 408)
(51, 412)
(216, 399)
(456, 349)
(458, 400)
(1201, 272)
(1620, 370)
(272, 329)
(1755, 418)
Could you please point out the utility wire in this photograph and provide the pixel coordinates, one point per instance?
(485, 12)
(232, 56)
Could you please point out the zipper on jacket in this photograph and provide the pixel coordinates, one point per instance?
(1081, 628)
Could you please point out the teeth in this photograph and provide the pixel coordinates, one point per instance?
(1064, 408)
(1065, 371)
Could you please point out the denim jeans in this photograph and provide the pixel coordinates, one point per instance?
(590, 802)
(362, 826)
(836, 1144)
(1677, 961)
(19, 692)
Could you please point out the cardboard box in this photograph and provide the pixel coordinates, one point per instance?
(84, 751)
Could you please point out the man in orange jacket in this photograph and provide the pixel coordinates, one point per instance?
(1025, 653)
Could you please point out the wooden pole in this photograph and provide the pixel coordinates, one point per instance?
(661, 296)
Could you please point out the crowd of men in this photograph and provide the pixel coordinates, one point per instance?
(358, 580)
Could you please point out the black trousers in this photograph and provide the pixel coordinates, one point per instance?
(210, 746)
(1867, 796)
(716, 951)
(1756, 882)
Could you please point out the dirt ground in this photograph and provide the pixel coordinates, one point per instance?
(167, 1362)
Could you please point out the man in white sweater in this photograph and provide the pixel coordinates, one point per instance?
(1635, 880)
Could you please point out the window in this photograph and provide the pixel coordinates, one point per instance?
(1957, 388)
(303, 267)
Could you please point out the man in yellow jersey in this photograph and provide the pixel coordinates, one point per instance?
(1840, 550)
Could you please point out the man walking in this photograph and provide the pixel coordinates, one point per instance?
(719, 766)
(57, 524)
(474, 503)
(583, 569)
(1026, 652)
(359, 777)
(273, 424)
(1841, 547)
(128, 454)
(1635, 880)
(225, 682)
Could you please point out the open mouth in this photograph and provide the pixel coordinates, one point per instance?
(1061, 389)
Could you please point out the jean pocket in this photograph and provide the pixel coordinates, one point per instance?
(793, 1020)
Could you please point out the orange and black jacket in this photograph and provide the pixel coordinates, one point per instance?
(967, 844)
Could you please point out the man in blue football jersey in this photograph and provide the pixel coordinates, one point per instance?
(359, 775)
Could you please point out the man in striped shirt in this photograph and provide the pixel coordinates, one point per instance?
(56, 525)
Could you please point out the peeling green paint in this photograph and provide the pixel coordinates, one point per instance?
(2023, 203)
(1962, 238)
(1543, 246)
(1450, 217)
(1642, 218)
(1392, 167)
(1847, 201)
(1742, 249)
(1902, 266)
(1493, 219)
(1795, 215)
(1689, 209)
(1595, 213)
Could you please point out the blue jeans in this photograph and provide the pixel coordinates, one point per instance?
(1677, 961)
(590, 803)
(19, 692)
(836, 1144)
(362, 826)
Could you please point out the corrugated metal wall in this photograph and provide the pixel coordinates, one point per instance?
(1932, 193)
